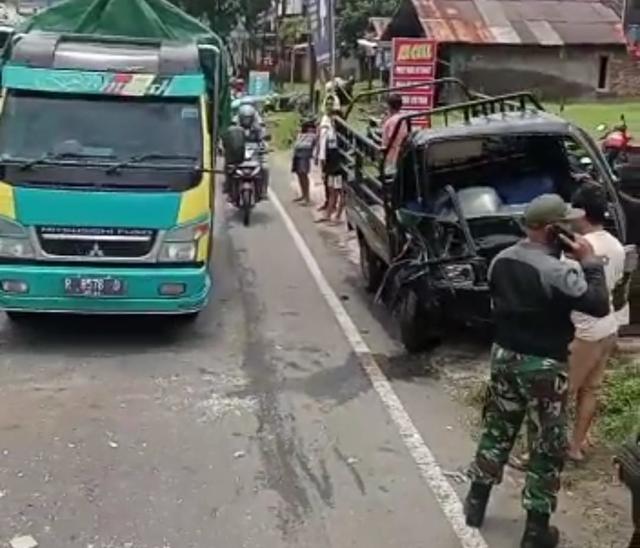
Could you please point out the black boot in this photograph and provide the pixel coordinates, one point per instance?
(475, 506)
(538, 533)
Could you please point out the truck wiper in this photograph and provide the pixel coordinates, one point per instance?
(145, 157)
(50, 158)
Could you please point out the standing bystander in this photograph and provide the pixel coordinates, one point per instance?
(393, 138)
(302, 154)
(332, 171)
(324, 133)
(595, 338)
(533, 294)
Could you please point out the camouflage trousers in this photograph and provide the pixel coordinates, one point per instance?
(532, 388)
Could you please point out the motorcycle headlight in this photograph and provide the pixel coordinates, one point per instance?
(14, 240)
(180, 245)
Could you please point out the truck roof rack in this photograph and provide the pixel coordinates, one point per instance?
(367, 153)
(106, 53)
(469, 94)
(484, 106)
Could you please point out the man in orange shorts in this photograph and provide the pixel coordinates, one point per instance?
(595, 338)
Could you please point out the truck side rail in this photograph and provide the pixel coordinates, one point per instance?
(361, 161)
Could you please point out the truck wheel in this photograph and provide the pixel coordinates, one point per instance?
(19, 318)
(371, 266)
(413, 321)
(187, 319)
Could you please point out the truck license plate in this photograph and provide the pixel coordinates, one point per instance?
(94, 287)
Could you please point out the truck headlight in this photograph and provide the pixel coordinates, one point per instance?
(460, 273)
(180, 245)
(14, 240)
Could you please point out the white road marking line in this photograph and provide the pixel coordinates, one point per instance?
(420, 452)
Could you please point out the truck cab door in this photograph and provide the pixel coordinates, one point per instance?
(628, 188)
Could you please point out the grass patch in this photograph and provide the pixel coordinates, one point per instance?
(620, 414)
(590, 115)
(283, 127)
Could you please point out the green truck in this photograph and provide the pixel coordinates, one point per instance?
(109, 118)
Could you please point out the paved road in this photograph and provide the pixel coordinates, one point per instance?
(257, 427)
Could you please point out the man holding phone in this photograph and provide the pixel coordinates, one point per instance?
(534, 293)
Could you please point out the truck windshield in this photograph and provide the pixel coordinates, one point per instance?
(109, 129)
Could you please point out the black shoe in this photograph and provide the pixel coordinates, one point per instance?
(475, 505)
(538, 533)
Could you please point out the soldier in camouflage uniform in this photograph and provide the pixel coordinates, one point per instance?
(535, 388)
(533, 294)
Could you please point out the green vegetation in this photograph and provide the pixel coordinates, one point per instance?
(283, 127)
(620, 413)
(590, 115)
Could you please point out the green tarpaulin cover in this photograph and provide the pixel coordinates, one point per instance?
(153, 19)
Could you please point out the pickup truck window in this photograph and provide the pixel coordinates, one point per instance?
(517, 167)
(34, 125)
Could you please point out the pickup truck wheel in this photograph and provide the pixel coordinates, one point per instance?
(414, 324)
(370, 266)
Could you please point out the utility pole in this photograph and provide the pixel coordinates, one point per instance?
(332, 12)
(313, 67)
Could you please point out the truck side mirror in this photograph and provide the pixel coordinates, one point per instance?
(408, 218)
(211, 116)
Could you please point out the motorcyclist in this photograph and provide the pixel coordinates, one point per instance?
(251, 122)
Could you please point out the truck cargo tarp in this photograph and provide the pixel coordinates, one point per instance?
(139, 19)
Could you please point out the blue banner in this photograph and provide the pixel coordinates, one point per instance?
(259, 83)
(321, 19)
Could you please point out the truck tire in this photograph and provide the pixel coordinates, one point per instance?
(371, 266)
(184, 320)
(19, 318)
(413, 322)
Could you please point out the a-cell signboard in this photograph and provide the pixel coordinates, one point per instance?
(414, 62)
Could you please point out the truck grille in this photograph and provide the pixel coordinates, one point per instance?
(96, 243)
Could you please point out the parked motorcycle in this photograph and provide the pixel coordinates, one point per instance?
(617, 143)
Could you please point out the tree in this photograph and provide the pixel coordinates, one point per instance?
(354, 18)
(292, 30)
(223, 15)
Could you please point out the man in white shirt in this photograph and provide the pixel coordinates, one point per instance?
(595, 338)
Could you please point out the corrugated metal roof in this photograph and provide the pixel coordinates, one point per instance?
(536, 22)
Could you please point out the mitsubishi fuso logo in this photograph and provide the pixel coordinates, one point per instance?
(95, 251)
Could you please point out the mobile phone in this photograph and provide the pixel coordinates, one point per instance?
(558, 230)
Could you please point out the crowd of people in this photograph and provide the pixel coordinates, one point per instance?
(559, 298)
(557, 319)
(318, 144)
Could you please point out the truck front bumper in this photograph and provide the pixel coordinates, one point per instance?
(44, 290)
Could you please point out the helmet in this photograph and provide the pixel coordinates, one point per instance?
(246, 116)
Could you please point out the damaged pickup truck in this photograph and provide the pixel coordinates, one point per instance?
(429, 227)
